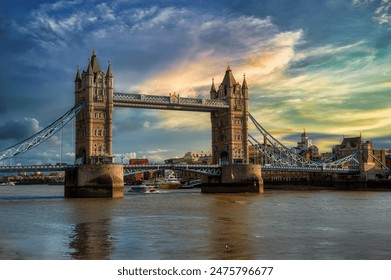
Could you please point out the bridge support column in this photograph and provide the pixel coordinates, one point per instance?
(236, 179)
(95, 181)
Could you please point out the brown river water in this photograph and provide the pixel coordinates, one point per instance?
(37, 222)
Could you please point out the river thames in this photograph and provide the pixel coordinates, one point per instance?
(37, 222)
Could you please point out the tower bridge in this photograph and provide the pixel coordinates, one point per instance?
(95, 175)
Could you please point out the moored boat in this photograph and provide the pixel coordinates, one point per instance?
(190, 184)
(170, 182)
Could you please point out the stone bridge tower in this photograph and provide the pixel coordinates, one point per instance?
(230, 127)
(230, 140)
(94, 123)
(96, 175)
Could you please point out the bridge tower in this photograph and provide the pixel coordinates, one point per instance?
(96, 175)
(230, 139)
(230, 127)
(94, 123)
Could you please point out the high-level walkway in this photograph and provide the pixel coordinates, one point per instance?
(171, 102)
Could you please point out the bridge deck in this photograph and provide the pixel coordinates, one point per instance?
(205, 169)
(171, 102)
(213, 170)
(35, 168)
(305, 169)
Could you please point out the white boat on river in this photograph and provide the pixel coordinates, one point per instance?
(142, 189)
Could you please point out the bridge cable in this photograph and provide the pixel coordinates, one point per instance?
(282, 155)
(41, 136)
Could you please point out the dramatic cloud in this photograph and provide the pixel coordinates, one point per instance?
(250, 45)
(325, 67)
(19, 129)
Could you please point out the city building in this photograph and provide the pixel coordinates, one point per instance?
(198, 157)
(350, 145)
(306, 148)
(192, 158)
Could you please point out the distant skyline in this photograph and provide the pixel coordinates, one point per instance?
(322, 66)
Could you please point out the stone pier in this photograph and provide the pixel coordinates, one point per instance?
(236, 179)
(95, 181)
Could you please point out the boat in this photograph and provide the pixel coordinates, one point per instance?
(8, 184)
(151, 189)
(191, 184)
(142, 189)
(137, 188)
(57, 181)
(170, 182)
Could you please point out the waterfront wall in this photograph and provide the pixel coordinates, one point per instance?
(95, 180)
(328, 181)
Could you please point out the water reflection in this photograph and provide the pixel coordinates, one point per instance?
(184, 224)
(91, 241)
(91, 234)
(230, 228)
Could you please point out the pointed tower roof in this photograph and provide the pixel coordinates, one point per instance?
(78, 76)
(244, 85)
(89, 69)
(213, 88)
(94, 62)
(109, 72)
(229, 79)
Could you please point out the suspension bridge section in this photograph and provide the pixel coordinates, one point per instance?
(281, 158)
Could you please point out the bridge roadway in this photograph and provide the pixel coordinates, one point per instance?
(171, 102)
(214, 170)
(311, 169)
(35, 168)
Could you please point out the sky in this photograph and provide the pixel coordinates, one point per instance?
(323, 66)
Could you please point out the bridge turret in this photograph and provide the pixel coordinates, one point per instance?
(77, 79)
(213, 91)
(244, 101)
(109, 107)
(89, 76)
(109, 73)
(228, 84)
(244, 86)
(94, 63)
